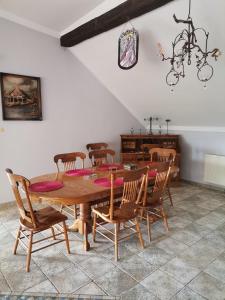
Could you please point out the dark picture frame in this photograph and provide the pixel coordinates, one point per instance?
(128, 46)
(21, 97)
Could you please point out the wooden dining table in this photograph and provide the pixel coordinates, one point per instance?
(78, 190)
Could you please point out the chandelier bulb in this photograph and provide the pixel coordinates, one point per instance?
(204, 86)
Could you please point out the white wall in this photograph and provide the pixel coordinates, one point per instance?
(143, 89)
(194, 146)
(77, 108)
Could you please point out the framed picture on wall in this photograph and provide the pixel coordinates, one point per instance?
(21, 97)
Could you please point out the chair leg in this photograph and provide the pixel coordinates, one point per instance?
(17, 240)
(61, 208)
(66, 237)
(139, 233)
(164, 218)
(29, 252)
(149, 228)
(94, 227)
(116, 241)
(170, 196)
(53, 233)
(75, 211)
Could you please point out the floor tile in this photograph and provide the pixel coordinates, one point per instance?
(90, 289)
(208, 286)
(115, 282)
(4, 287)
(212, 220)
(96, 266)
(138, 293)
(137, 267)
(187, 294)
(178, 222)
(198, 229)
(217, 268)
(43, 287)
(186, 236)
(22, 280)
(199, 255)
(162, 285)
(69, 280)
(180, 270)
(172, 246)
(156, 256)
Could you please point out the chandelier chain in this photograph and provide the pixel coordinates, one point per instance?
(189, 14)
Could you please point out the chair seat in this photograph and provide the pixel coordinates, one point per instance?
(125, 212)
(45, 218)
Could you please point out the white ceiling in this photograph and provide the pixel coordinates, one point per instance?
(54, 15)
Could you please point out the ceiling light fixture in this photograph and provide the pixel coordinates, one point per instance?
(185, 48)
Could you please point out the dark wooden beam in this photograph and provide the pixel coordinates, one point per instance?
(128, 10)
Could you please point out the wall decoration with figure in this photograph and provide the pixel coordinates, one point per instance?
(128, 49)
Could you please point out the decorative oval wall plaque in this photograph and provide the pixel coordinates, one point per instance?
(128, 49)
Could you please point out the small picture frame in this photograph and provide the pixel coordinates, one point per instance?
(21, 97)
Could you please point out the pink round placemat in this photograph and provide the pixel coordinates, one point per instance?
(106, 167)
(152, 174)
(106, 182)
(79, 172)
(46, 186)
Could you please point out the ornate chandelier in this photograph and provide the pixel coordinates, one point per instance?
(185, 48)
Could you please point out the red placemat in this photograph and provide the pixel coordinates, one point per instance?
(152, 174)
(79, 172)
(107, 167)
(46, 186)
(106, 182)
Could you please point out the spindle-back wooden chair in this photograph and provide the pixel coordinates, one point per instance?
(99, 157)
(127, 212)
(164, 155)
(96, 146)
(34, 221)
(152, 202)
(65, 162)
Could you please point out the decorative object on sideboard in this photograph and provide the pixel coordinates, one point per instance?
(128, 48)
(150, 120)
(167, 125)
(185, 48)
(132, 130)
(21, 97)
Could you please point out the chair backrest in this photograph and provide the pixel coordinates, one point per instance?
(96, 146)
(162, 154)
(68, 160)
(20, 185)
(162, 176)
(147, 147)
(133, 187)
(99, 157)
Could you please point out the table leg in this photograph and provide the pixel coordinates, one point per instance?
(85, 216)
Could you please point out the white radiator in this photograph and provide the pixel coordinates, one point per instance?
(214, 169)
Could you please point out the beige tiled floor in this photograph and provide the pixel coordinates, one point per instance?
(186, 263)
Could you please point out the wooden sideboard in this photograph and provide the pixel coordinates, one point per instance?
(131, 146)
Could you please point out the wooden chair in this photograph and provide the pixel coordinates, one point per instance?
(96, 146)
(126, 212)
(35, 221)
(145, 148)
(152, 202)
(99, 157)
(68, 162)
(164, 155)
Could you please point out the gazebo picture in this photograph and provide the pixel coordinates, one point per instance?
(21, 97)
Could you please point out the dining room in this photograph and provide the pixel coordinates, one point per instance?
(112, 138)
